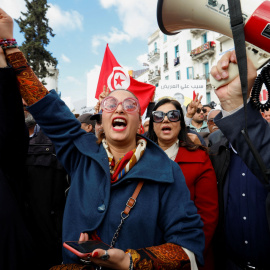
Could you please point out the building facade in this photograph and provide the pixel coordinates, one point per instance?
(188, 55)
(52, 81)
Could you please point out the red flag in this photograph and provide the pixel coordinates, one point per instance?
(115, 77)
(194, 95)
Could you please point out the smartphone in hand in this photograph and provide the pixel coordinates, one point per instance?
(84, 249)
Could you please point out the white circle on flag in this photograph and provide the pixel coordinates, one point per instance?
(118, 79)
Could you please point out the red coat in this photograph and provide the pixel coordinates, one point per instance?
(201, 181)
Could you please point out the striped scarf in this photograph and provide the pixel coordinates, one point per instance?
(125, 163)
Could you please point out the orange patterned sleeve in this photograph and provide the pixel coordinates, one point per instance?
(164, 257)
(32, 90)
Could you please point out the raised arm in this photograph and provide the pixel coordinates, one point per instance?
(54, 117)
(31, 88)
(233, 123)
(230, 95)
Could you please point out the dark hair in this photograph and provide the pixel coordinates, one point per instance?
(101, 136)
(207, 105)
(184, 140)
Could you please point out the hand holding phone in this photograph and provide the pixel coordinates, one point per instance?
(84, 249)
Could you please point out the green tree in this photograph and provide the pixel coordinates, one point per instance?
(34, 26)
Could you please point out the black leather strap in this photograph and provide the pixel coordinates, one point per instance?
(237, 26)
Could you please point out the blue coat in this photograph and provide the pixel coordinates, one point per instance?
(163, 211)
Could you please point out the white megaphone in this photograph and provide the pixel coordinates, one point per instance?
(176, 15)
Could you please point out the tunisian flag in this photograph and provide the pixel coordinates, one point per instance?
(115, 77)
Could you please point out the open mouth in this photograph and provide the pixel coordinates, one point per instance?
(166, 128)
(119, 123)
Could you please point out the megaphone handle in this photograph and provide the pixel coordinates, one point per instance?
(233, 73)
(257, 56)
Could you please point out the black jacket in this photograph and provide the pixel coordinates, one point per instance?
(44, 190)
(16, 250)
(259, 133)
(220, 157)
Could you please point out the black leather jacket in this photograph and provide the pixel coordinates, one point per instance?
(44, 190)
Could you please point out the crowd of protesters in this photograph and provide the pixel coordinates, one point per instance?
(179, 189)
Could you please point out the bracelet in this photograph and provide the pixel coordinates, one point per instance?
(131, 262)
(8, 43)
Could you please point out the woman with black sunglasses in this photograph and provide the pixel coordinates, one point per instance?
(167, 128)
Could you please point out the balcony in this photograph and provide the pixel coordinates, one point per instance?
(205, 77)
(202, 77)
(176, 61)
(153, 56)
(165, 67)
(222, 38)
(196, 31)
(204, 51)
(154, 76)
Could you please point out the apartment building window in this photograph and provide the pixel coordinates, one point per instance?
(177, 75)
(206, 70)
(204, 38)
(166, 66)
(176, 51)
(167, 77)
(208, 97)
(165, 38)
(190, 73)
(155, 46)
(165, 58)
(189, 45)
(176, 55)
